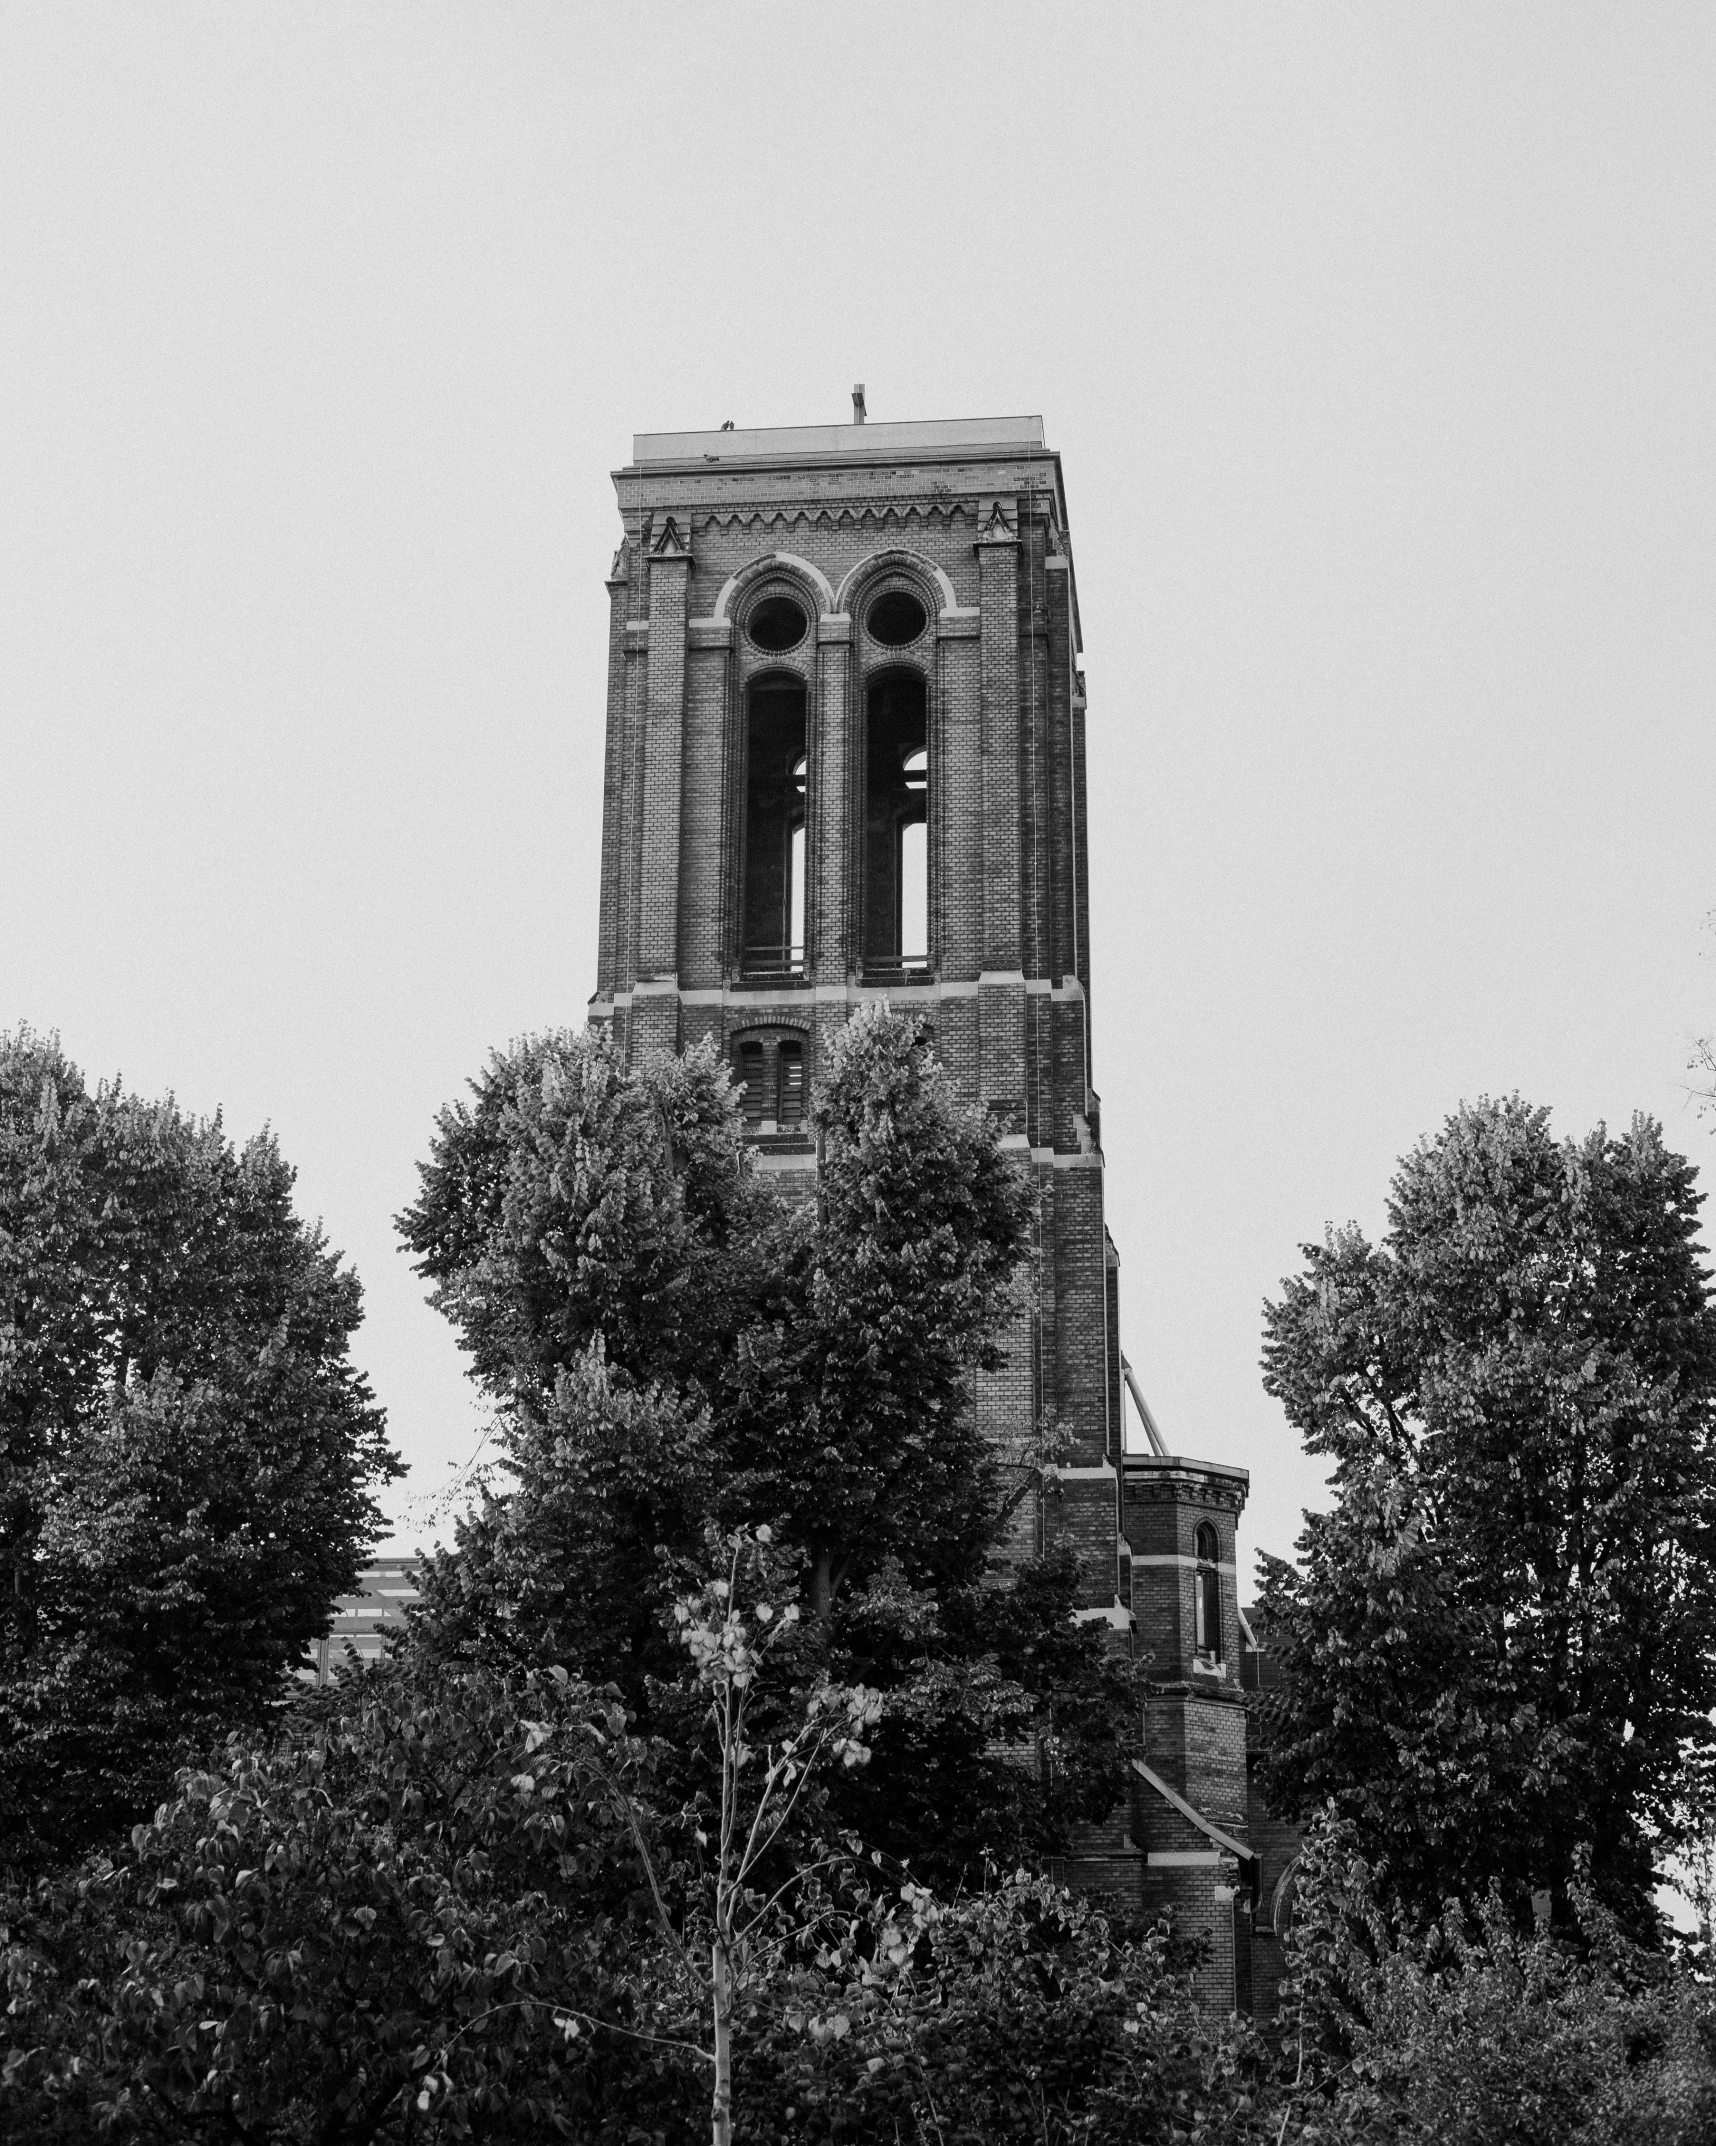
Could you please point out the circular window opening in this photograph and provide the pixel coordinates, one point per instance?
(896, 619)
(777, 623)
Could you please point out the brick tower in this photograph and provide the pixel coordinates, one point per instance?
(846, 760)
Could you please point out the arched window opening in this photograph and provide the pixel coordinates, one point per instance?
(1207, 1586)
(768, 1071)
(776, 779)
(896, 830)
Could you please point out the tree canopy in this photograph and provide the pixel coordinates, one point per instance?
(187, 1455)
(419, 1912)
(1498, 1646)
(670, 1343)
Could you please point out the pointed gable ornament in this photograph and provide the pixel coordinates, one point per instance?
(994, 527)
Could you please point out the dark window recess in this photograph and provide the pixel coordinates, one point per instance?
(768, 1070)
(777, 623)
(748, 1073)
(896, 619)
(774, 867)
(896, 827)
(1208, 1584)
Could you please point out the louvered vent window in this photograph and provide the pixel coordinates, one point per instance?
(769, 1073)
(749, 1071)
(792, 1087)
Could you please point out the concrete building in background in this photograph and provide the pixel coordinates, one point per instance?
(365, 1620)
(845, 761)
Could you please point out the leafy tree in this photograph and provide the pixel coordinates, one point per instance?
(1011, 2013)
(423, 1911)
(387, 1915)
(733, 1624)
(856, 1420)
(186, 1453)
(446, 1901)
(1499, 1643)
(1470, 2030)
(668, 1342)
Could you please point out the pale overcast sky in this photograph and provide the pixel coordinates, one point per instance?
(1377, 342)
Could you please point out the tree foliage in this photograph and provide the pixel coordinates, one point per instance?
(1498, 1645)
(382, 1912)
(422, 1912)
(1468, 2030)
(669, 1343)
(186, 1452)
(1012, 2012)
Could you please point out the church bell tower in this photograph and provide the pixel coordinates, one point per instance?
(846, 761)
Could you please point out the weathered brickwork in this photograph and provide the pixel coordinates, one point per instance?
(724, 535)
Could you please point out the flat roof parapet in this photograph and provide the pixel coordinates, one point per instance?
(841, 443)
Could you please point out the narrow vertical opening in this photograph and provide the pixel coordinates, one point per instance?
(791, 1108)
(896, 831)
(914, 864)
(1207, 1589)
(750, 1071)
(914, 892)
(774, 868)
(795, 895)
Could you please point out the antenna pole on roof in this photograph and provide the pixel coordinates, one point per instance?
(858, 404)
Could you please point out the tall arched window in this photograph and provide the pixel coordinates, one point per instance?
(1207, 1586)
(896, 826)
(775, 787)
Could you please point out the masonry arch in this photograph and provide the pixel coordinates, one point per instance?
(790, 567)
(897, 560)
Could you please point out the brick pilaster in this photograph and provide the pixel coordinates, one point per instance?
(613, 778)
(1001, 993)
(836, 728)
(669, 568)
